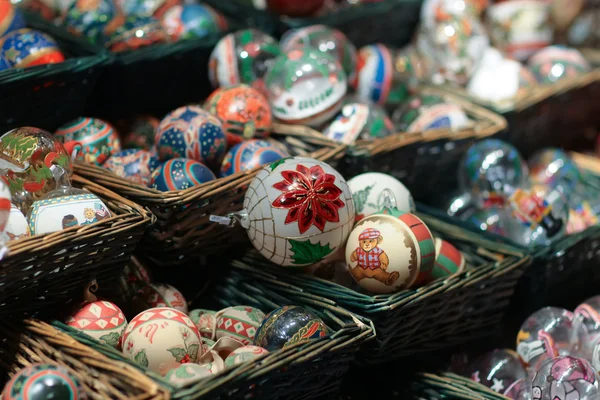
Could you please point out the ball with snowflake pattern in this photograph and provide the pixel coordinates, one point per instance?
(298, 211)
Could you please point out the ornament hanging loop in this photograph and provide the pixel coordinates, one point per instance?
(232, 218)
(386, 199)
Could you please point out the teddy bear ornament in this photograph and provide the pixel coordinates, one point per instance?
(65, 207)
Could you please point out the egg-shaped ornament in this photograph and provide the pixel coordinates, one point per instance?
(132, 164)
(43, 381)
(192, 21)
(243, 56)
(429, 111)
(101, 320)
(163, 295)
(141, 133)
(11, 18)
(359, 121)
(555, 63)
(586, 328)
(187, 374)
(297, 211)
(205, 321)
(289, 325)
(305, 87)
(134, 32)
(161, 339)
(147, 8)
(448, 261)
(565, 378)
(65, 207)
(326, 40)
(544, 335)
(538, 216)
(244, 111)
(17, 226)
(492, 170)
(454, 46)
(244, 355)
(239, 323)
(251, 154)
(26, 155)
(368, 193)
(26, 47)
(190, 132)
(385, 251)
(89, 19)
(99, 138)
(180, 174)
(498, 369)
(552, 166)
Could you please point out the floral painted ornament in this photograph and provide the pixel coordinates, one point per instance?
(99, 139)
(161, 339)
(297, 211)
(239, 323)
(423, 112)
(287, 326)
(163, 295)
(359, 122)
(305, 87)
(244, 111)
(102, 320)
(43, 381)
(135, 165)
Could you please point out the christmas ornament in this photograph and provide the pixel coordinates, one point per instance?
(163, 295)
(297, 211)
(287, 326)
(134, 32)
(192, 21)
(141, 133)
(244, 111)
(432, 9)
(243, 355)
(326, 40)
(242, 57)
(423, 112)
(154, 8)
(190, 132)
(25, 47)
(43, 381)
(359, 122)
(180, 174)
(552, 167)
(448, 261)
(490, 219)
(565, 378)
(17, 226)
(305, 87)
(161, 339)
(132, 164)
(239, 323)
(555, 63)
(187, 374)
(499, 370)
(99, 138)
(385, 251)
(249, 155)
(586, 328)
(205, 321)
(11, 18)
(101, 320)
(90, 19)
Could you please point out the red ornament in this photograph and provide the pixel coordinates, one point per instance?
(295, 8)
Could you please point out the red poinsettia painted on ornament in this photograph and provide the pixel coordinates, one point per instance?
(310, 196)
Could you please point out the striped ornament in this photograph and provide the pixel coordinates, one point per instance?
(448, 261)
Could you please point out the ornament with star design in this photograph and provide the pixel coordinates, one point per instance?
(43, 381)
(28, 48)
(499, 370)
(101, 320)
(98, 138)
(297, 211)
(239, 323)
(193, 133)
(162, 339)
(180, 174)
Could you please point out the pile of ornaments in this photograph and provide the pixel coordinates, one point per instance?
(21, 47)
(35, 190)
(533, 203)
(314, 76)
(300, 212)
(557, 358)
(123, 25)
(453, 45)
(185, 345)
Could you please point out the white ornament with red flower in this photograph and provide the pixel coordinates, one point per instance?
(163, 295)
(162, 339)
(101, 320)
(298, 211)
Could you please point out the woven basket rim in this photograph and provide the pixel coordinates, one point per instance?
(486, 124)
(459, 386)
(534, 95)
(134, 215)
(149, 196)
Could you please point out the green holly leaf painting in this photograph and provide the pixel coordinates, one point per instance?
(141, 358)
(62, 160)
(178, 353)
(112, 339)
(192, 350)
(277, 163)
(183, 373)
(307, 253)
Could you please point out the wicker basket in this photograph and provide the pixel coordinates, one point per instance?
(183, 230)
(301, 371)
(46, 96)
(42, 272)
(411, 156)
(440, 315)
(101, 378)
(451, 386)
(565, 114)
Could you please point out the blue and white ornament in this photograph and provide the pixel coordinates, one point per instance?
(249, 155)
(179, 174)
(133, 164)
